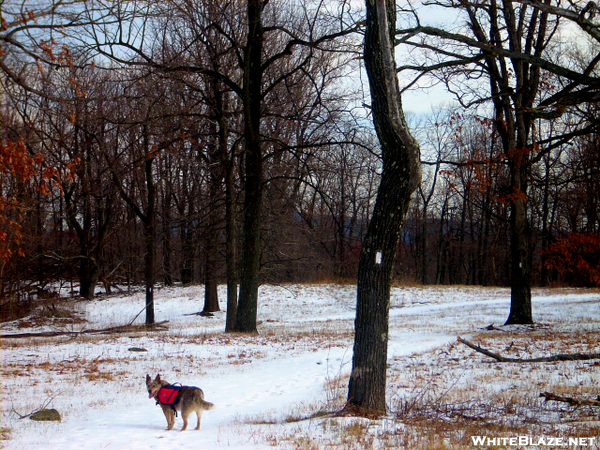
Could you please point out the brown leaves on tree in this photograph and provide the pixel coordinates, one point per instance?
(21, 172)
(576, 257)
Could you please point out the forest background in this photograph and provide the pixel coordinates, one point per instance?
(125, 158)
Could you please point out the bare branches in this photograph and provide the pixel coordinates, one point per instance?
(582, 17)
(34, 35)
(488, 49)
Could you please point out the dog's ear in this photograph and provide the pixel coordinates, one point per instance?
(157, 377)
(148, 379)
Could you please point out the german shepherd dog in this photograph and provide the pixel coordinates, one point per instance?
(187, 399)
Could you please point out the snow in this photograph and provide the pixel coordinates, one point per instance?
(257, 382)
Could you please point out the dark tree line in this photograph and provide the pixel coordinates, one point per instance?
(458, 231)
(170, 152)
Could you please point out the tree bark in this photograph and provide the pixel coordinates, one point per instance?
(253, 185)
(400, 177)
(520, 279)
(230, 249)
(230, 228)
(88, 277)
(211, 296)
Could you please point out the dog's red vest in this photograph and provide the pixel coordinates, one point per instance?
(169, 395)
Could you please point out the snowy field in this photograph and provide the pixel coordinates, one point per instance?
(280, 389)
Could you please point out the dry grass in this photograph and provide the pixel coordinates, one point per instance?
(440, 401)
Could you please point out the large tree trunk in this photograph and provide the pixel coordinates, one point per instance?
(88, 277)
(230, 249)
(520, 279)
(230, 233)
(400, 177)
(520, 234)
(252, 92)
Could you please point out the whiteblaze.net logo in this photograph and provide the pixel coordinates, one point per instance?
(525, 441)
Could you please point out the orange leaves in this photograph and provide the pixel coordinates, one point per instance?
(16, 168)
(515, 196)
(16, 162)
(20, 171)
(577, 256)
(47, 49)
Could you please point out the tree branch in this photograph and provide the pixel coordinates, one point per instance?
(494, 50)
(570, 400)
(559, 357)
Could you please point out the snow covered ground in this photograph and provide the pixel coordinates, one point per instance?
(295, 369)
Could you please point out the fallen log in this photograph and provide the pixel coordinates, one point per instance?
(559, 357)
(159, 326)
(570, 400)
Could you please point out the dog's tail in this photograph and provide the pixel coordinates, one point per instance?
(207, 406)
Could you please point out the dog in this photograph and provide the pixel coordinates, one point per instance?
(171, 399)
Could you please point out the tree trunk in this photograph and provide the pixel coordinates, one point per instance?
(167, 248)
(211, 297)
(520, 234)
(150, 242)
(230, 249)
(520, 279)
(211, 234)
(230, 237)
(251, 98)
(186, 271)
(400, 177)
(88, 277)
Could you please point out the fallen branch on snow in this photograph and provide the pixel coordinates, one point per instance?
(570, 400)
(559, 357)
(159, 326)
(41, 408)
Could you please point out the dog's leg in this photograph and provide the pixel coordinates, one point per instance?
(199, 414)
(172, 419)
(170, 416)
(184, 416)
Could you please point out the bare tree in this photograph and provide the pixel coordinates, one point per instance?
(400, 177)
(32, 40)
(510, 43)
(257, 53)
